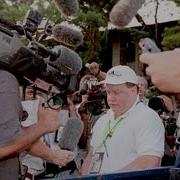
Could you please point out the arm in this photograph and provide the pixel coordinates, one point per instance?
(87, 163)
(71, 107)
(56, 155)
(48, 122)
(143, 162)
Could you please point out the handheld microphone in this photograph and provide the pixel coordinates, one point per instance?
(123, 12)
(68, 61)
(67, 7)
(148, 45)
(67, 35)
(71, 134)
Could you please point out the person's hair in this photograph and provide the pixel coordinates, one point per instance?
(141, 78)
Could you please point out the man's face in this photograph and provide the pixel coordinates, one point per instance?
(120, 97)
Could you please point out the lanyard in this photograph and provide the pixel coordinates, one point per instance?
(108, 131)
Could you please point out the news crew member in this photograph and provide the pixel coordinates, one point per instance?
(95, 70)
(15, 139)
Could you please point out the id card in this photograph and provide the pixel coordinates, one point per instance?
(96, 163)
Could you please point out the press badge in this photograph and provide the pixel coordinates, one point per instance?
(96, 163)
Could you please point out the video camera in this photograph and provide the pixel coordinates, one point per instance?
(157, 104)
(96, 100)
(58, 66)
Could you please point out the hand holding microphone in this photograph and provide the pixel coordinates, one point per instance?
(48, 119)
(164, 69)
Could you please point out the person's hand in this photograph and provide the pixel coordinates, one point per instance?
(48, 119)
(61, 157)
(94, 68)
(164, 69)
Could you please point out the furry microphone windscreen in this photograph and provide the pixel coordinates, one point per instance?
(123, 12)
(67, 7)
(67, 35)
(71, 134)
(68, 61)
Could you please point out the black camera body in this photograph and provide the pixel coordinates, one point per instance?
(33, 61)
(97, 97)
(157, 104)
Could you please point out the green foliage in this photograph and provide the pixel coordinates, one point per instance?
(171, 37)
(49, 12)
(138, 34)
(177, 2)
(90, 20)
(152, 92)
(13, 13)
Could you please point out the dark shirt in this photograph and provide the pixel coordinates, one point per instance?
(10, 128)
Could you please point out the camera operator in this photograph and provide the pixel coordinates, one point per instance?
(95, 70)
(66, 115)
(92, 106)
(15, 139)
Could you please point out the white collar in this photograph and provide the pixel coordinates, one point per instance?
(127, 112)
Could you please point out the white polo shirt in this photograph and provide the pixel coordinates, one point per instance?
(140, 132)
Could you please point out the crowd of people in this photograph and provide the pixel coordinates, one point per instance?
(130, 131)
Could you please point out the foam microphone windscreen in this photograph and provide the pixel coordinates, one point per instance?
(67, 35)
(124, 10)
(68, 61)
(67, 7)
(71, 134)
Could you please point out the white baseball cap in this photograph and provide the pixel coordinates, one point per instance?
(120, 75)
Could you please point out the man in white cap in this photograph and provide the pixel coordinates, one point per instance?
(130, 135)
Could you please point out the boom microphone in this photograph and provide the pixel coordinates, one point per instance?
(123, 12)
(68, 61)
(71, 134)
(67, 7)
(67, 35)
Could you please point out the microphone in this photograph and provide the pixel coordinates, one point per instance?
(71, 134)
(148, 45)
(68, 61)
(68, 35)
(123, 12)
(67, 7)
